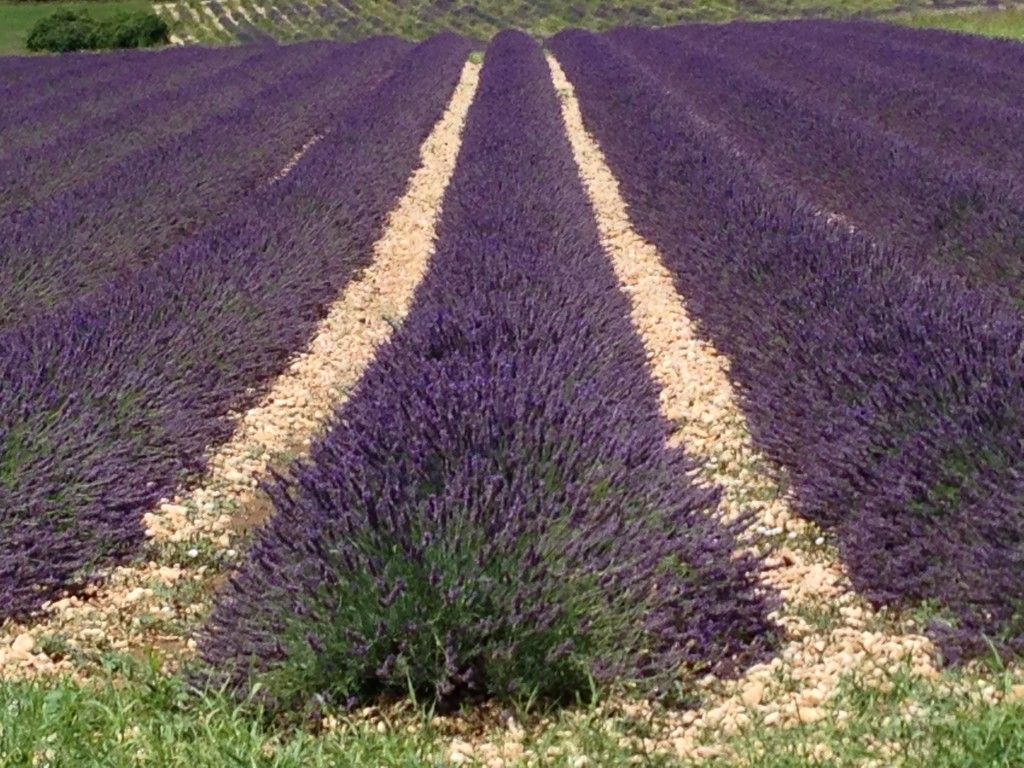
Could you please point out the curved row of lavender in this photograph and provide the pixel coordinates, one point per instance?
(110, 403)
(81, 238)
(495, 508)
(890, 393)
(928, 205)
(970, 49)
(992, 70)
(32, 117)
(954, 122)
(239, 94)
(44, 163)
(49, 74)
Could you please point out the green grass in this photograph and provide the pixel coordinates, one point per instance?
(141, 718)
(17, 19)
(1006, 22)
(915, 723)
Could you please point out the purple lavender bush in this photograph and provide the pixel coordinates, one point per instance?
(991, 71)
(495, 511)
(929, 205)
(889, 392)
(955, 123)
(36, 111)
(209, 104)
(89, 233)
(113, 401)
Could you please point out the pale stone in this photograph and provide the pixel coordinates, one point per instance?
(809, 715)
(23, 644)
(169, 574)
(752, 694)
(137, 594)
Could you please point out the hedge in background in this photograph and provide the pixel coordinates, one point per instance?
(76, 31)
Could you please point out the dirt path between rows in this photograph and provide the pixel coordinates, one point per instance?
(697, 396)
(195, 538)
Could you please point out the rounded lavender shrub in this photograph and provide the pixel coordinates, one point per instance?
(495, 511)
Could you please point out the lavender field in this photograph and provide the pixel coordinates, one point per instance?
(676, 375)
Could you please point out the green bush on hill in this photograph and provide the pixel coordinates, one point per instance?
(76, 31)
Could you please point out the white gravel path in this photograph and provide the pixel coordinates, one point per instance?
(698, 397)
(136, 606)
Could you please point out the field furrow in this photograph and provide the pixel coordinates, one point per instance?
(80, 239)
(936, 64)
(31, 119)
(91, 147)
(131, 610)
(110, 404)
(1005, 56)
(887, 392)
(962, 127)
(21, 75)
(964, 218)
(647, 395)
(699, 400)
(495, 505)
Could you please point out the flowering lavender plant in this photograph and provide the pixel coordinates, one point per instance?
(495, 511)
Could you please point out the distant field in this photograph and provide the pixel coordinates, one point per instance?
(1006, 22)
(248, 21)
(292, 20)
(16, 19)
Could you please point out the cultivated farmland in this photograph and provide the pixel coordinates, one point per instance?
(662, 388)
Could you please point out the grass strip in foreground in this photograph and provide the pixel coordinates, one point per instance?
(147, 720)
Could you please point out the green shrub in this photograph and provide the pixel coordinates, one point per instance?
(66, 30)
(431, 623)
(134, 30)
(63, 31)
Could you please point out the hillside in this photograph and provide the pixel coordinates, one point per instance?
(224, 21)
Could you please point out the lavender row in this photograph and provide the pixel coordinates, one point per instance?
(81, 77)
(969, 220)
(495, 507)
(963, 128)
(889, 393)
(49, 74)
(993, 54)
(108, 404)
(887, 45)
(124, 90)
(63, 162)
(102, 230)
